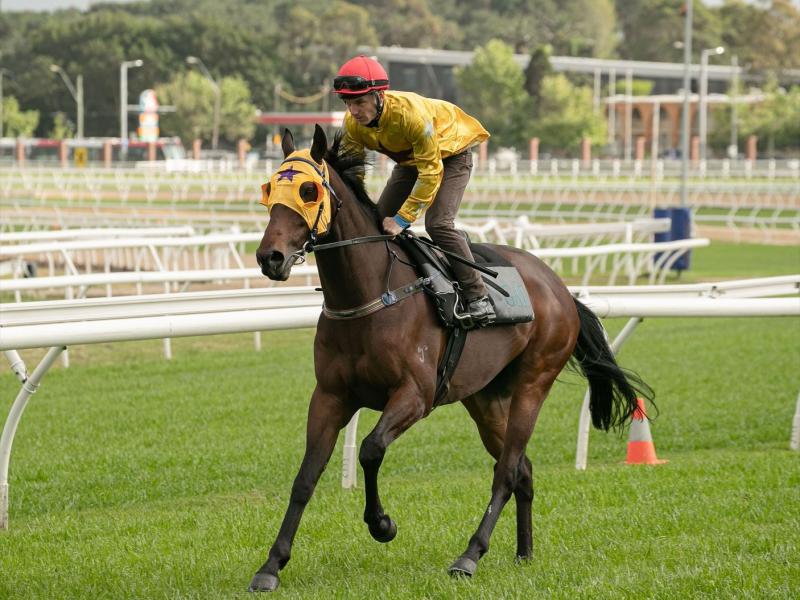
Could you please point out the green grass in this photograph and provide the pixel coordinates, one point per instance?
(133, 477)
(722, 260)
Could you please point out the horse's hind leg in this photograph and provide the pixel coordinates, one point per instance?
(523, 494)
(404, 408)
(523, 410)
(490, 414)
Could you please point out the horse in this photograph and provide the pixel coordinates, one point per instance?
(386, 359)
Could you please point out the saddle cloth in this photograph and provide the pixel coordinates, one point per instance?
(507, 292)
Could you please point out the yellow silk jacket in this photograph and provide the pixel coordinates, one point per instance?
(420, 132)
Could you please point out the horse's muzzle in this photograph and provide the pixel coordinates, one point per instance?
(274, 264)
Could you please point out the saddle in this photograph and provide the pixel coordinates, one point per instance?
(507, 293)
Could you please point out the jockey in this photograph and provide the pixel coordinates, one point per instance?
(430, 140)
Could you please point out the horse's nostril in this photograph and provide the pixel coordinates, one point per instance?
(272, 259)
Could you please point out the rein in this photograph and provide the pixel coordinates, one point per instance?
(389, 297)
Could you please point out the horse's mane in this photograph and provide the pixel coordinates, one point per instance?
(350, 164)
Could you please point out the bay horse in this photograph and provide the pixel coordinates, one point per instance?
(386, 359)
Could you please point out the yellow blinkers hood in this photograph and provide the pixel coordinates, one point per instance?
(284, 188)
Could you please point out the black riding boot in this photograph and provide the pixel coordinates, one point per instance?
(481, 310)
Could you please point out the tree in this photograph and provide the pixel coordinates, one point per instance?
(586, 28)
(193, 97)
(63, 128)
(650, 29)
(538, 68)
(16, 122)
(237, 113)
(95, 43)
(571, 27)
(763, 37)
(565, 115)
(410, 23)
(492, 89)
(776, 120)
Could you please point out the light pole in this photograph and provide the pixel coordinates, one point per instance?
(703, 94)
(123, 100)
(193, 60)
(687, 88)
(77, 94)
(2, 72)
(733, 148)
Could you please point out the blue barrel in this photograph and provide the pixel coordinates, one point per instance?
(680, 229)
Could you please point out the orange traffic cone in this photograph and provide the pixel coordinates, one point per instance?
(641, 450)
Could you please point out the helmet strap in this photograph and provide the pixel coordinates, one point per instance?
(379, 105)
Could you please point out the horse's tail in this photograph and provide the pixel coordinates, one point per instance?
(613, 390)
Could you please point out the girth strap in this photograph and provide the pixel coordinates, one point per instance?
(456, 340)
(387, 299)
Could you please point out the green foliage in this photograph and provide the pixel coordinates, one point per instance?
(300, 43)
(492, 91)
(571, 27)
(63, 128)
(639, 87)
(566, 115)
(193, 97)
(650, 28)
(315, 41)
(775, 121)
(409, 23)
(538, 67)
(16, 122)
(764, 35)
(237, 113)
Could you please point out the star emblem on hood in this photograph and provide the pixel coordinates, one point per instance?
(288, 174)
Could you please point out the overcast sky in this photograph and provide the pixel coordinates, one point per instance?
(9, 5)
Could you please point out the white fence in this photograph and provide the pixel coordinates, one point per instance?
(613, 261)
(213, 251)
(49, 235)
(733, 194)
(62, 323)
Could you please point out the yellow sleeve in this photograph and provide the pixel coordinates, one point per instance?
(428, 160)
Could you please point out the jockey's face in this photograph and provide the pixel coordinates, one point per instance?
(363, 108)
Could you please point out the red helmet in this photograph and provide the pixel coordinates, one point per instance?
(359, 76)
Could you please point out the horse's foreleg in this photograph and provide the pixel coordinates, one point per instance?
(326, 416)
(524, 410)
(404, 408)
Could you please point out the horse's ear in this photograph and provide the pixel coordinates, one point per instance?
(287, 143)
(319, 145)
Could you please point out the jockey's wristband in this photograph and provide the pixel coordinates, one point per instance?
(401, 221)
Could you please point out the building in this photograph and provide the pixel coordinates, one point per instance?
(654, 117)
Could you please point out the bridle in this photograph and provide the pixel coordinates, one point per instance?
(389, 297)
(310, 244)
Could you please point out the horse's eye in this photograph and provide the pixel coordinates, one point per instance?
(308, 192)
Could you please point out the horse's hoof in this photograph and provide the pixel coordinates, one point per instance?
(264, 582)
(523, 559)
(463, 567)
(384, 531)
